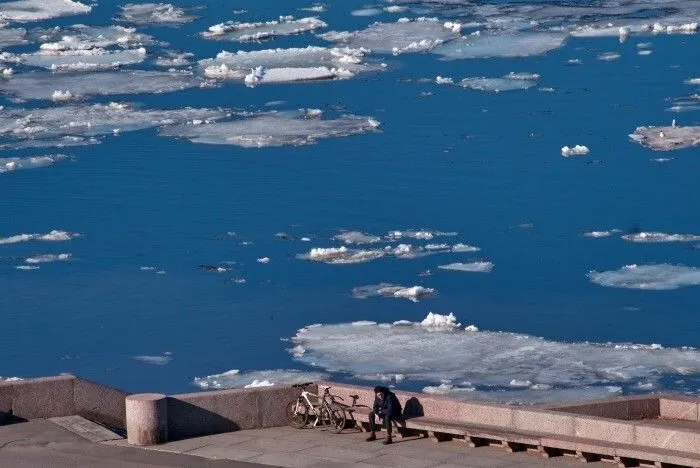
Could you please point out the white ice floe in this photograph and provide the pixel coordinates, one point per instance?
(57, 126)
(357, 237)
(502, 45)
(465, 248)
(79, 59)
(434, 321)
(12, 36)
(648, 277)
(341, 255)
(692, 81)
(472, 267)
(26, 267)
(366, 12)
(242, 32)
(173, 59)
(417, 35)
(578, 150)
(158, 360)
(395, 9)
(10, 379)
(264, 260)
(510, 82)
(414, 293)
(48, 258)
(443, 80)
(272, 129)
(287, 65)
(52, 236)
(608, 56)
(66, 87)
(644, 52)
(667, 138)
(598, 234)
(418, 234)
(38, 10)
(658, 237)
(318, 8)
(83, 37)
(489, 361)
(237, 379)
(447, 389)
(29, 162)
(154, 13)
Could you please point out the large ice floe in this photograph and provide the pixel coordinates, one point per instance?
(48, 258)
(472, 267)
(438, 350)
(658, 237)
(357, 237)
(75, 124)
(77, 59)
(66, 87)
(257, 130)
(38, 10)
(287, 65)
(344, 256)
(12, 36)
(154, 13)
(667, 138)
(262, 378)
(648, 277)
(83, 37)
(509, 82)
(505, 45)
(413, 293)
(51, 236)
(242, 32)
(417, 35)
(29, 162)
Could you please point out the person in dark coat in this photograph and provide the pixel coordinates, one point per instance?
(388, 408)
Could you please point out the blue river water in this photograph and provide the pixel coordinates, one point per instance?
(483, 164)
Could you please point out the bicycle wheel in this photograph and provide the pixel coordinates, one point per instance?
(334, 418)
(297, 414)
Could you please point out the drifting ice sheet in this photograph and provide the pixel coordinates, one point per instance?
(511, 82)
(414, 293)
(38, 10)
(656, 237)
(29, 162)
(272, 129)
(652, 277)
(154, 13)
(12, 36)
(419, 35)
(502, 45)
(237, 379)
(78, 60)
(488, 360)
(357, 237)
(44, 85)
(56, 125)
(285, 26)
(52, 236)
(82, 37)
(667, 138)
(473, 267)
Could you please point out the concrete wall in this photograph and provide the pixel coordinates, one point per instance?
(618, 421)
(63, 395)
(203, 413)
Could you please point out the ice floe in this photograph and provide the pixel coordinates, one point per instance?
(488, 361)
(79, 59)
(414, 293)
(29, 162)
(649, 277)
(38, 10)
(12, 36)
(154, 13)
(598, 234)
(174, 59)
(49, 258)
(502, 45)
(472, 267)
(44, 85)
(287, 65)
(259, 130)
(357, 237)
(157, 360)
(83, 37)
(509, 82)
(578, 150)
(52, 236)
(237, 379)
(10, 379)
(657, 237)
(608, 56)
(341, 255)
(242, 32)
(667, 138)
(56, 126)
(417, 35)
(465, 248)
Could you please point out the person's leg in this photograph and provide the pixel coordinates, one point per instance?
(387, 426)
(372, 428)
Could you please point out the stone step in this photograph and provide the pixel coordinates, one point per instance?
(85, 428)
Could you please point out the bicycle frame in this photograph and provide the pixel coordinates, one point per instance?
(316, 408)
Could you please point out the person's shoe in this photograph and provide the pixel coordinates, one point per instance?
(371, 437)
(388, 441)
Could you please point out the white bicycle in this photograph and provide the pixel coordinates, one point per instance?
(324, 411)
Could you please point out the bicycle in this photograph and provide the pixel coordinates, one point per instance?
(326, 411)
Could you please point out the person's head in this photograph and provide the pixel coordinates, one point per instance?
(379, 392)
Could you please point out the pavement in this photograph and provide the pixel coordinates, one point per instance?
(285, 446)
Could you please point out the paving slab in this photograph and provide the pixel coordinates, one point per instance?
(401, 461)
(289, 459)
(338, 454)
(86, 429)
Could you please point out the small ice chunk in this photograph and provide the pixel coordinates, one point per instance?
(438, 321)
(608, 56)
(465, 248)
(648, 277)
(161, 360)
(443, 80)
(666, 138)
(357, 237)
(597, 234)
(29, 162)
(48, 258)
(264, 260)
(154, 13)
(578, 150)
(61, 96)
